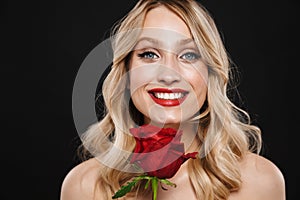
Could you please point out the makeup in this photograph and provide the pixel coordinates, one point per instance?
(168, 97)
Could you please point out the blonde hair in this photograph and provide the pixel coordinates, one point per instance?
(225, 130)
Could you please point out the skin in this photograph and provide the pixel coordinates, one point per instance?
(262, 179)
(167, 58)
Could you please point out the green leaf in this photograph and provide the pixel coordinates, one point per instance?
(147, 184)
(165, 181)
(125, 189)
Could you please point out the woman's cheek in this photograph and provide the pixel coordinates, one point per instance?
(141, 76)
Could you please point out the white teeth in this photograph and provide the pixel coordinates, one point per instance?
(168, 96)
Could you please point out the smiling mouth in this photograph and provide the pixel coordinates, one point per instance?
(168, 97)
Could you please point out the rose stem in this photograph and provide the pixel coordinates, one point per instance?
(154, 187)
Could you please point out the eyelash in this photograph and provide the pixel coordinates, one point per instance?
(147, 54)
(194, 55)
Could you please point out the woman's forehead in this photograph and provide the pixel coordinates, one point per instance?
(165, 19)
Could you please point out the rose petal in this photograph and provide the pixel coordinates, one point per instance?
(159, 151)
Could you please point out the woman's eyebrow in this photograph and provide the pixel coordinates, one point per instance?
(185, 41)
(150, 40)
(158, 42)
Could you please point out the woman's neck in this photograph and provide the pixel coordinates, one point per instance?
(190, 137)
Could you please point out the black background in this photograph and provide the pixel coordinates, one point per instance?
(43, 44)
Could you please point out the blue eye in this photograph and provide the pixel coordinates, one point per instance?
(148, 55)
(190, 56)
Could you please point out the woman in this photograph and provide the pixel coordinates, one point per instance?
(171, 70)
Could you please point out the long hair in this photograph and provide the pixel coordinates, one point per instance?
(225, 130)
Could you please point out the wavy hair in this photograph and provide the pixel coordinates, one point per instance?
(225, 130)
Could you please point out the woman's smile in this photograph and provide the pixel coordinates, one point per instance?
(168, 97)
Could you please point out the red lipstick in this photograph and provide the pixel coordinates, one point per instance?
(168, 97)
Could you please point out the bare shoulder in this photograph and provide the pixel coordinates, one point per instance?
(262, 179)
(79, 183)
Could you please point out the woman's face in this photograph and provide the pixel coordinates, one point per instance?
(168, 79)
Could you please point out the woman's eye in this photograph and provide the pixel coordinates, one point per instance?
(190, 56)
(148, 55)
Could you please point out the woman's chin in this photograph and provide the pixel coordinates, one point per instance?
(168, 118)
(167, 122)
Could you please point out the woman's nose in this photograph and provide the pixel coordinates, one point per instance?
(168, 72)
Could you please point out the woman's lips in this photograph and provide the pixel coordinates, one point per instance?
(168, 97)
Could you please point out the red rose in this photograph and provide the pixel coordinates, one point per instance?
(159, 151)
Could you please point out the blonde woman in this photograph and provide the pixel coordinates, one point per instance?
(171, 70)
